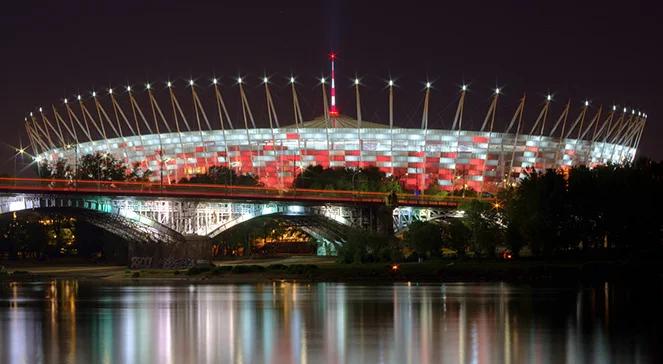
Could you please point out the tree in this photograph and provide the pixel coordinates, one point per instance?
(367, 246)
(356, 179)
(59, 169)
(138, 174)
(222, 175)
(101, 167)
(456, 235)
(482, 220)
(425, 238)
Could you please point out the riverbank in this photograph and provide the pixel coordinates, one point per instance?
(319, 269)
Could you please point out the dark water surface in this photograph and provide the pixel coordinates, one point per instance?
(83, 322)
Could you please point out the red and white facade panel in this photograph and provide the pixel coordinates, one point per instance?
(450, 158)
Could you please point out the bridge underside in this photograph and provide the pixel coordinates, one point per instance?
(326, 233)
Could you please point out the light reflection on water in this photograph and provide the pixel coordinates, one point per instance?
(72, 322)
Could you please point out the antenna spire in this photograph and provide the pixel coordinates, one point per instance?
(333, 112)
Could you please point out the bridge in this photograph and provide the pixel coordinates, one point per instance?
(176, 214)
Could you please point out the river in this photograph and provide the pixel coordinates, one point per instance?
(95, 322)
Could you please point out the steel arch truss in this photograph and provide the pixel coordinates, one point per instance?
(406, 215)
(110, 214)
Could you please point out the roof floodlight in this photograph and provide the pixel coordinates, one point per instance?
(497, 91)
(292, 79)
(391, 82)
(428, 84)
(128, 88)
(215, 81)
(639, 113)
(190, 82)
(40, 109)
(110, 91)
(30, 113)
(169, 84)
(614, 107)
(322, 80)
(65, 100)
(632, 111)
(356, 81)
(464, 87)
(549, 97)
(265, 80)
(239, 80)
(78, 97)
(148, 86)
(586, 103)
(94, 93)
(625, 110)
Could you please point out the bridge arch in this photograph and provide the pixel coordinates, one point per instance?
(328, 234)
(103, 212)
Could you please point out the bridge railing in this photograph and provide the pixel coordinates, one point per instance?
(46, 185)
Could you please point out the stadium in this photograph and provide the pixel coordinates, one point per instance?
(161, 134)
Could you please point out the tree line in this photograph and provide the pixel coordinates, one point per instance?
(106, 167)
(568, 212)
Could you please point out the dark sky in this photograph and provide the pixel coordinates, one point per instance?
(608, 53)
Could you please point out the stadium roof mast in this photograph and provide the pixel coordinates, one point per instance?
(333, 111)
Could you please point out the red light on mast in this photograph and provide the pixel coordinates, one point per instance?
(333, 112)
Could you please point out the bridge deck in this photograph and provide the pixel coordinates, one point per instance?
(208, 191)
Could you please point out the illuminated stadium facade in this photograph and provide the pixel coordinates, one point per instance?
(175, 141)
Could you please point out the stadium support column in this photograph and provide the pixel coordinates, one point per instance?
(563, 119)
(271, 116)
(358, 101)
(100, 126)
(221, 106)
(179, 132)
(490, 115)
(579, 121)
(155, 108)
(297, 112)
(247, 115)
(593, 123)
(605, 128)
(458, 120)
(637, 141)
(543, 114)
(515, 138)
(424, 126)
(198, 110)
(516, 116)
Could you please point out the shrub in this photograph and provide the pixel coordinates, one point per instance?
(248, 268)
(197, 270)
(301, 268)
(222, 269)
(277, 267)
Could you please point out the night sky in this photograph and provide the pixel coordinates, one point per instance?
(607, 53)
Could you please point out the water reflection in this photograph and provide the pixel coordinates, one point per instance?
(72, 322)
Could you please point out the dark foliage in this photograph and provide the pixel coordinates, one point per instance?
(360, 179)
(220, 175)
